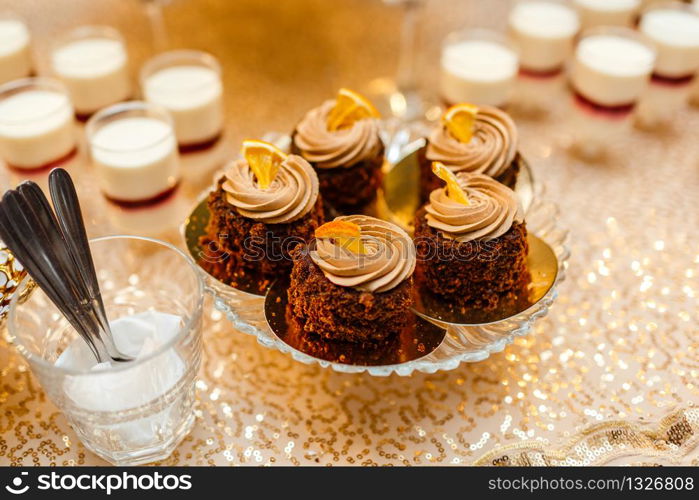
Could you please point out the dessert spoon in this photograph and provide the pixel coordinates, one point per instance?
(28, 249)
(34, 203)
(67, 207)
(31, 231)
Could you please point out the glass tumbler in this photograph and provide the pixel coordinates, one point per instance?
(134, 152)
(674, 29)
(478, 66)
(543, 31)
(15, 48)
(93, 64)
(611, 70)
(127, 413)
(37, 127)
(188, 84)
(594, 13)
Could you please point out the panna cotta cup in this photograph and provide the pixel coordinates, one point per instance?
(674, 29)
(92, 62)
(37, 125)
(15, 48)
(611, 70)
(188, 84)
(612, 66)
(595, 13)
(478, 66)
(543, 31)
(134, 152)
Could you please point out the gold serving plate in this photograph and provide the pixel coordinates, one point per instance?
(398, 201)
(543, 268)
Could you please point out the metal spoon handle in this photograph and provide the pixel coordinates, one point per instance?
(58, 251)
(43, 226)
(45, 276)
(42, 222)
(67, 206)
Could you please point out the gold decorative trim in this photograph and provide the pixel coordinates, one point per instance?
(672, 439)
(11, 275)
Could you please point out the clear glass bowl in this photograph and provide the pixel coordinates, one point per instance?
(461, 344)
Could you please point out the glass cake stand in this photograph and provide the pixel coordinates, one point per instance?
(397, 201)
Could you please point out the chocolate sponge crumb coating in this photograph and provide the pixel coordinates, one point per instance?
(476, 274)
(250, 246)
(342, 313)
(349, 189)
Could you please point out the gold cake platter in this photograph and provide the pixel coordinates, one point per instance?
(439, 338)
(543, 269)
(399, 199)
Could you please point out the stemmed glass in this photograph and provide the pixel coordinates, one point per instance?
(154, 12)
(399, 96)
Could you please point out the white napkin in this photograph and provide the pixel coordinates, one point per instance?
(107, 390)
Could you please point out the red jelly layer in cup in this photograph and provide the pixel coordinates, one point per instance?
(540, 74)
(200, 146)
(671, 81)
(153, 200)
(613, 112)
(46, 166)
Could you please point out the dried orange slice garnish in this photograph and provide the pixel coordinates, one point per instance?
(454, 190)
(349, 108)
(346, 234)
(460, 121)
(264, 160)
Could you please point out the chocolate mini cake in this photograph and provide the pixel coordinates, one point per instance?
(390, 350)
(346, 153)
(255, 225)
(354, 283)
(490, 150)
(473, 255)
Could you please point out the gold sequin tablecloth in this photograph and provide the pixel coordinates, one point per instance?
(610, 376)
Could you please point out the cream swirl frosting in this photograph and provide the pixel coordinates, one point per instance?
(290, 196)
(490, 151)
(388, 261)
(335, 148)
(492, 209)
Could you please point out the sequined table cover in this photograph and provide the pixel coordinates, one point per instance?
(609, 377)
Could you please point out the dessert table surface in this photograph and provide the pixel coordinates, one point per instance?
(610, 376)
